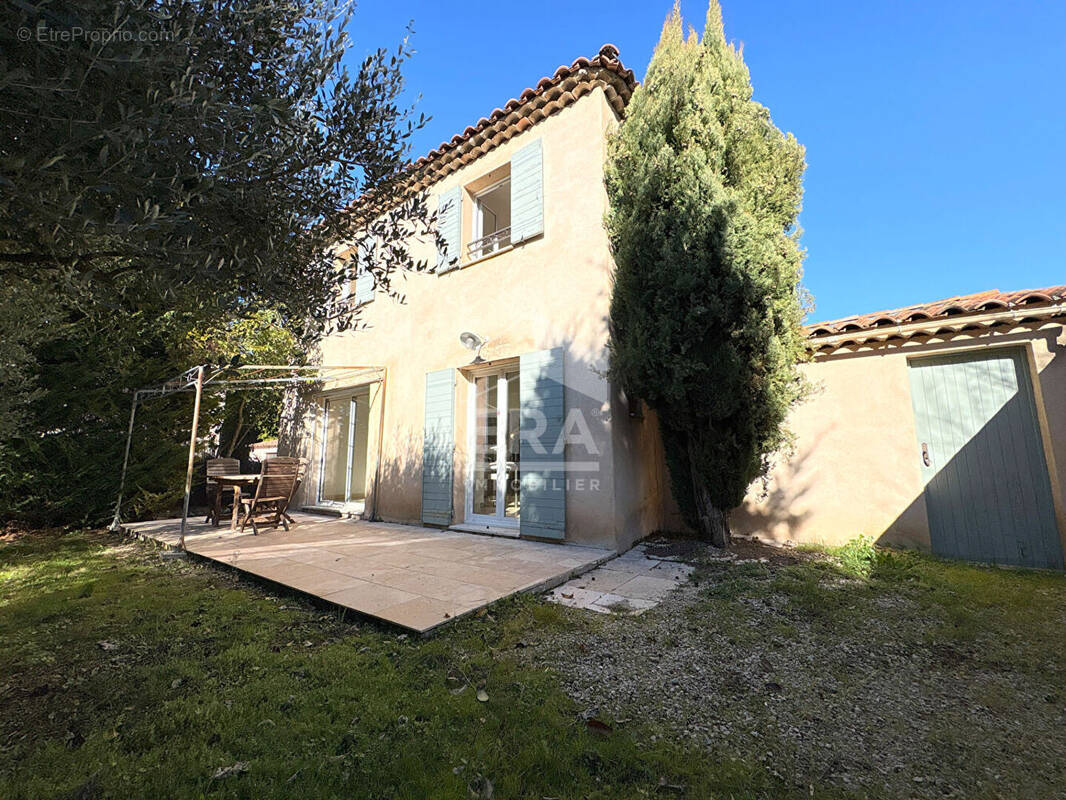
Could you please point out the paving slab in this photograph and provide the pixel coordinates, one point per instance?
(629, 584)
(645, 587)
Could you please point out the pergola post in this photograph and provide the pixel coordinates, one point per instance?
(116, 523)
(192, 452)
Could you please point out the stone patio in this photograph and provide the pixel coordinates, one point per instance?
(629, 584)
(414, 577)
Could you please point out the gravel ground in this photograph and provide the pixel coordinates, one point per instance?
(869, 701)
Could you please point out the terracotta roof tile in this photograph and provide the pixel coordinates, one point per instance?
(963, 305)
(550, 95)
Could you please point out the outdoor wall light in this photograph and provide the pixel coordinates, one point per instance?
(473, 342)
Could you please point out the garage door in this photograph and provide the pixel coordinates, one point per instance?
(986, 482)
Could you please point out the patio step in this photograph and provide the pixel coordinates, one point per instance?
(328, 511)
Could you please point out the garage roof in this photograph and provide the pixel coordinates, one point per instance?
(953, 307)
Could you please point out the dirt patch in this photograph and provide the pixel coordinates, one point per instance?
(741, 549)
(824, 679)
(14, 532)
(679, 549)
(777, 555)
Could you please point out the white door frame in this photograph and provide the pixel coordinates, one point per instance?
(353, 405)
(498, 522)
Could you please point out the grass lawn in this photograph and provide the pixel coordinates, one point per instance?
(123, 674)
(126, 675)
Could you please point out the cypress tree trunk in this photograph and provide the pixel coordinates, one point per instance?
(713, 522)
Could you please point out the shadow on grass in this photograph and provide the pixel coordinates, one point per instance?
(125, 675)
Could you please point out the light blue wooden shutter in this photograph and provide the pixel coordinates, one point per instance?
(449, 225)
(543, 461)
(438, 447)
(364, 281)
(527, 193)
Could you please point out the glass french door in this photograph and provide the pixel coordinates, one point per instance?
(494, 484)
(341, 475)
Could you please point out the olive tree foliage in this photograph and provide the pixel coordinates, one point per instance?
(20, 323)
(218, 147)
(239, 418)
(706, 307)
(170, 169)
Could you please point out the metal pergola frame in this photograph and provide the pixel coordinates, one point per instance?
(225, 378)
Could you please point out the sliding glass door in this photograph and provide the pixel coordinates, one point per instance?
(342, 466)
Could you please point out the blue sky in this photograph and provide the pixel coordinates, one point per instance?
(935, 131)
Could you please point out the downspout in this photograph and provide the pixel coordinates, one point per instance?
(381, 445)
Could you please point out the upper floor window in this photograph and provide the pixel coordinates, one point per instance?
(491, 229)
(364, 278)
(359, 289)
(501, 208)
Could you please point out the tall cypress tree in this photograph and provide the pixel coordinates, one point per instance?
(706, 309)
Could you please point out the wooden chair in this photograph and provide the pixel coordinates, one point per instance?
(301, 472)
(272, 494)
(218, 466)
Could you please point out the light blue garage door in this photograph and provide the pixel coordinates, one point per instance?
(986, 481)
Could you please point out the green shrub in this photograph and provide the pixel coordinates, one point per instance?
(857, 557)
(861, 557)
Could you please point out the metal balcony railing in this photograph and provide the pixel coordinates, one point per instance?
(497, 240)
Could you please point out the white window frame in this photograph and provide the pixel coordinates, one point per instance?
(477, 230)
(479, 227)
(499, 522)
(346, 291)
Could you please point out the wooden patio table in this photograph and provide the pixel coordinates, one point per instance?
(238, 482)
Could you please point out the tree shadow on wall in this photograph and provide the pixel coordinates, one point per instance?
(774, 511)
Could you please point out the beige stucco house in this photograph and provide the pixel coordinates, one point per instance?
(484, 404)
(523, 435)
